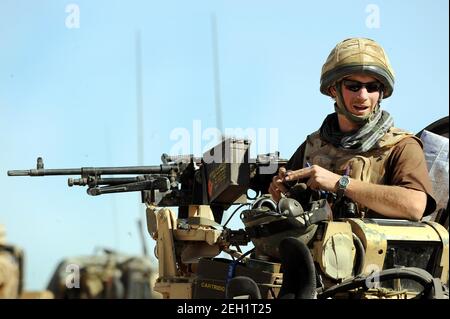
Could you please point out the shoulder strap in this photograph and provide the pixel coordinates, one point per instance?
(395, 135)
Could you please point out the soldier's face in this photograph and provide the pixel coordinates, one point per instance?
(360, 93)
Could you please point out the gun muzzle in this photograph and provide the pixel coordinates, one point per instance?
(27, 172)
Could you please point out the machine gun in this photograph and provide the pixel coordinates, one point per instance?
(219, 179)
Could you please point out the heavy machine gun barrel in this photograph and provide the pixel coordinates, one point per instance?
(95, 171)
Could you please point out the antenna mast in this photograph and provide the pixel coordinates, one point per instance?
(215, 51)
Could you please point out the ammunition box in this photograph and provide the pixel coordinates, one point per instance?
(212, 277)
(227, 170)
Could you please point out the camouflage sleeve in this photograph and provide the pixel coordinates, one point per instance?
(407, 167)
(296, 161)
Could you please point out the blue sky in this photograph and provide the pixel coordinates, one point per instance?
(69, 94)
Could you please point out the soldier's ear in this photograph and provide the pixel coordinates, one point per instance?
(333, 91)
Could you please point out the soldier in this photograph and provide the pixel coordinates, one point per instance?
(357, 153)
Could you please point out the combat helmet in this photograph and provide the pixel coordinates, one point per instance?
(353, 56)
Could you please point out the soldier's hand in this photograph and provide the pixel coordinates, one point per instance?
(277, 188)
(319, 178)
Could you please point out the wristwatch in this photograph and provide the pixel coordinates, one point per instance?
(342, 186)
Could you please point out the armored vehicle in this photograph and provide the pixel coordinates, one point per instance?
(12, 272)
(303, 246)
(105, 275)
(11, 268)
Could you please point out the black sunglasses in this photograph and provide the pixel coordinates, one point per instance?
(355, 86)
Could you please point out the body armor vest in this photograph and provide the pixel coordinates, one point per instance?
(367, 167)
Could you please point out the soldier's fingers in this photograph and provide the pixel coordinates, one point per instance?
(277, 181)
(311, 183)
(276, 195)
(277, 187)
(281, 187)
(298, 174)
(271, 188)
(275, 178)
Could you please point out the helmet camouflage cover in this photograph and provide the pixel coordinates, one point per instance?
(356, 56)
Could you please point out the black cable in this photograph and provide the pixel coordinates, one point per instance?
(232, 214)
(245, 254)
(419, 275)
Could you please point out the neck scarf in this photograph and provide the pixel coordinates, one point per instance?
(360, 141)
